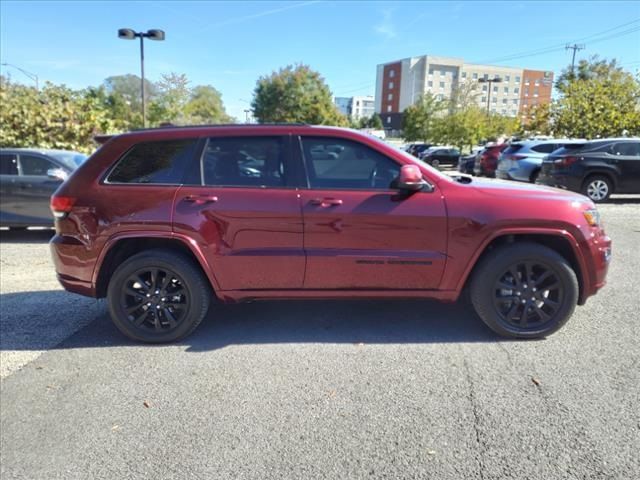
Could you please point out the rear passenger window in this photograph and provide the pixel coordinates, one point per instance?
(37, 166)
(544, 148)
(628, 149)
(8, 164)
(154, 162)
(244, 162)
(344, 164)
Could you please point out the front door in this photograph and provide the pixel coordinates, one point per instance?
(626, 156)
(359, 232)
(245, 213)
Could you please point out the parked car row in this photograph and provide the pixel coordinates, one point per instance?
(595, 168)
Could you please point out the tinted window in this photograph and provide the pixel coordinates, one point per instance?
(630, 149)
(154, 162)
(339, 163)
(31, 165)
(8, 164)
(244, 161)
(544, 148)
(513, 148)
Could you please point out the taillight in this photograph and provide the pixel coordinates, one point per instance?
(61, 206)
(566, 161)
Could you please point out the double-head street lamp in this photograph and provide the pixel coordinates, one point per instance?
(490, 81)
(32, 76)
(128, 34)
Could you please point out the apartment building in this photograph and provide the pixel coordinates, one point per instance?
(401, 83)
(361, 106)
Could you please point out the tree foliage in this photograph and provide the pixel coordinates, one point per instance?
(419, 121)
(295, 94)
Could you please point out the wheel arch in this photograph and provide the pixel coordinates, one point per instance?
(611, 174)
(560, 241)
(118, 249)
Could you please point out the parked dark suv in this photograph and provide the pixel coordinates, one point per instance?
(596, 169)
(165, 222)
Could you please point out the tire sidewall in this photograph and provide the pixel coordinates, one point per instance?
(593, 178)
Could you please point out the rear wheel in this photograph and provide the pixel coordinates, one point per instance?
(524, 290)
(534, 176)
(157, 296)
(598, 188)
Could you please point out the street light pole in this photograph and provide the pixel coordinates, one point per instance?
(246, 112)
(154, 34)
(490, 81)
(32, 76)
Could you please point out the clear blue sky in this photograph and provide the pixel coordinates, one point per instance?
(230, 44)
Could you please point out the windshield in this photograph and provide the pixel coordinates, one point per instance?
(72, 159)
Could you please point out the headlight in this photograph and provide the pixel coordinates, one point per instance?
(592, 216)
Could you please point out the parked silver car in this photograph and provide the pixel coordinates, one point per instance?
(521, 161)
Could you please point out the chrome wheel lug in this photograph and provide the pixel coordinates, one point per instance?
(518, 293)
(524, 301)
(534, 289)
(148, 295)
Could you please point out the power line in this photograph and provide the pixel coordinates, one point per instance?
(575, 47)
(559, 47)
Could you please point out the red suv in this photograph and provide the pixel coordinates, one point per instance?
(164, 222)
(487, 160)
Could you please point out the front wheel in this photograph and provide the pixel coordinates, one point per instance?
(157, 296)
(524, 290)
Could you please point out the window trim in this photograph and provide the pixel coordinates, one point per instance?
(307, 182)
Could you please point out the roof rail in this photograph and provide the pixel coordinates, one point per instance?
(170, 125)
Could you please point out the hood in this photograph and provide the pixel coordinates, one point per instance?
(509, 189)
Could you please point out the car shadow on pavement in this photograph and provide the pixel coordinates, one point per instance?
(26, 236)
(47, 315)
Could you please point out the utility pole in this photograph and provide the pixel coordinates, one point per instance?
(490, 81)
(246, 112)
(575, 47)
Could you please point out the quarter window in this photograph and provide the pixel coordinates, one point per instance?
(334, 163)
(38, 166)
(630, 149)
(8, 164)
(154, 162)
(244, 162)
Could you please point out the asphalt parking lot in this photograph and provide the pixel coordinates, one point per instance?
(318, 390)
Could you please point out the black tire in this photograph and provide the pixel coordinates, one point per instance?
(435, 163)
(531, 291)
(179, 292)
(598, 188)
(534, 176)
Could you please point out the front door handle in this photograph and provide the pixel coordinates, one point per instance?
(326, 202)
(201, 199)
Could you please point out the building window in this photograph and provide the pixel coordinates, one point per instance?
(526, 92)
(535, 91)
(507, 78)
(526, 81)
(505, 89)
(392, 73)
(517, 79)
(464, 74)
(495, 89)
(440, 96)
(516, 90)
(388, 119)
(485, 76)
(390, 85)
(431, 71)
(494, 100)
(484, 88)
(475, 76)
(430, 83)
(484, 99)
(504, 101)
(525, 102)
(388, 108)
(515, 101)
(441, 84)
(390, 97)
(537, 82)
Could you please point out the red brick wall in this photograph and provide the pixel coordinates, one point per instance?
(527, 91)
(395, 91)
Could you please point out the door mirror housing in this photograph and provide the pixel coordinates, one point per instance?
(410, 179)
(57, 174)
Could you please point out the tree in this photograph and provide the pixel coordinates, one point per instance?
(600, 100)
(173, 94)
(295, 94)
(123, 92)
(419, 119)
(375, 122)
(205, 106)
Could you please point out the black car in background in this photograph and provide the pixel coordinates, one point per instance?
(441, 156)
(596, 169)
(416, 149)
(28, 178)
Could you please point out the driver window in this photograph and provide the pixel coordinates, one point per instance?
(334, 163)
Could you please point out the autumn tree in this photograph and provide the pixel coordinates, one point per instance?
(295, 94)
(419, 119)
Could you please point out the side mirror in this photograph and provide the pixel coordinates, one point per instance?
(410, 179)
(57, 174)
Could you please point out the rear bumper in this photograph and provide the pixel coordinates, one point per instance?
(73, 262)
(75, 285)
(560, 180)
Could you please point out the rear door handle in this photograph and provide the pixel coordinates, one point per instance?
(326, 202)
(201, 199)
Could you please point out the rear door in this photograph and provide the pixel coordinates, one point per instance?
(626, 156)
(243, 208)
(359, 233)
(8, 179)
(34, 188)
